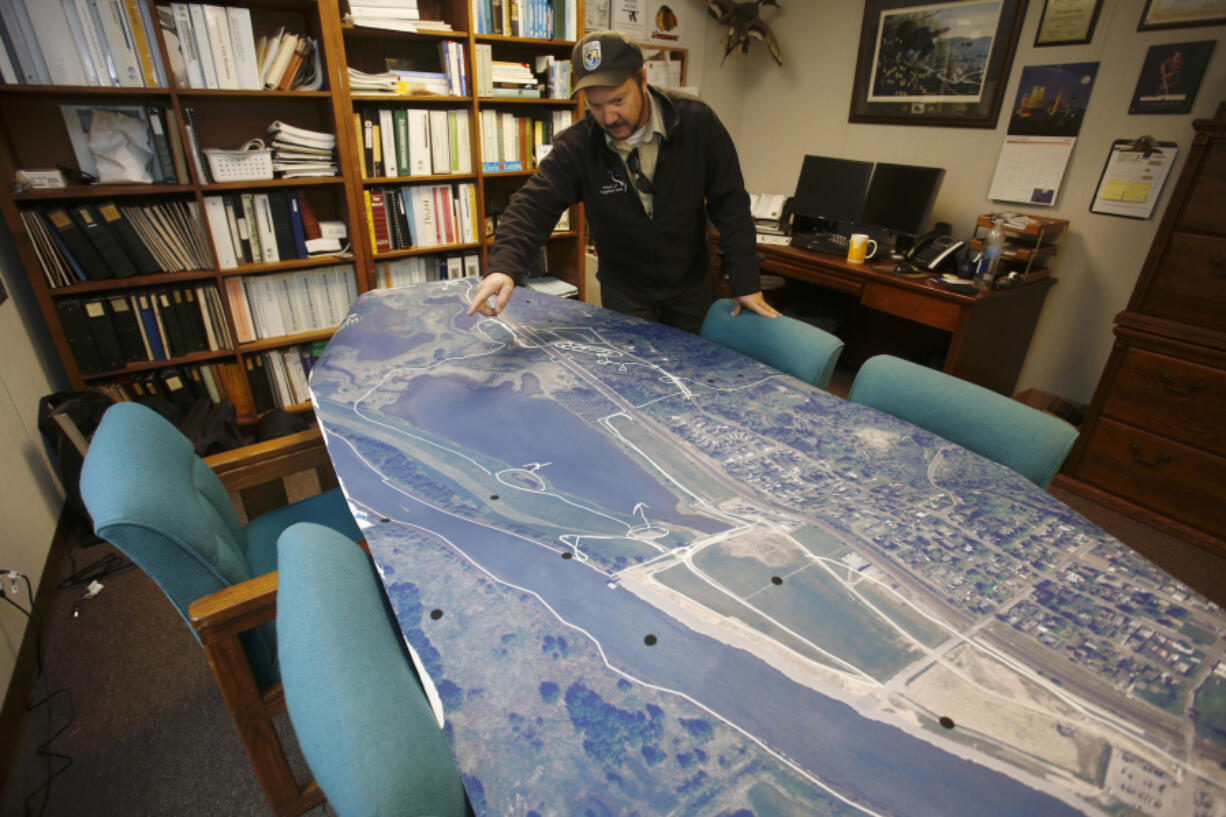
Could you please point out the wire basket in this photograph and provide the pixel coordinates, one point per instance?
(249, 163)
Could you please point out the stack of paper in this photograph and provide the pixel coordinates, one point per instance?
(552, 286)
(298, 152)
(395, 15)
(361, 82)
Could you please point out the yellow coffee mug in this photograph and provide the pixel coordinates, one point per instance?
(858, 249)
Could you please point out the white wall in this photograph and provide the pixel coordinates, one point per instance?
(30, 499)
(779, 114)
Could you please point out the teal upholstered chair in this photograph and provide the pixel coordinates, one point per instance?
(800, 349)
(359, 710)
(1024, 439)
(161, 505)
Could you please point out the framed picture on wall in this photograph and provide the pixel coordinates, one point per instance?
(1181, 14)
(1067, 22)
(943, 64)
(1170, 77)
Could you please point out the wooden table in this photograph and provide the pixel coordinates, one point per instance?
(648, 575)
(984, 337)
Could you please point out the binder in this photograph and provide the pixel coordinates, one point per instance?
(127, 329)
(282, 216)
(295, 222)
(161, 143)
(102, 330)
(261, 388)
(168, 318)
(77, 244)
(175, 387)
(104, 242)
(149, 326)
(128, 239)
(76, 332)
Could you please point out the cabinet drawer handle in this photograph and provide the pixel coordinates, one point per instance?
(1136, 455)
(1168, 383)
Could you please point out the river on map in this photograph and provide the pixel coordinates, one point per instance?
(885, 767)
(512, 428)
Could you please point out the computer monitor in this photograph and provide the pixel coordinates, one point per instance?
(829, 192)
(900, 198)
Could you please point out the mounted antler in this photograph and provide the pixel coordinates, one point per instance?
(743, 24)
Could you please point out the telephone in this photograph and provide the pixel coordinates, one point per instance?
(932, 249)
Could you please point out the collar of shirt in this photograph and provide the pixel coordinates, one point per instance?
(647, 140)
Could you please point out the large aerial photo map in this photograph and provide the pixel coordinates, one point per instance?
(646, 575)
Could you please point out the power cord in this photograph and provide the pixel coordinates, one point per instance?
(106, 566)
(44, 748)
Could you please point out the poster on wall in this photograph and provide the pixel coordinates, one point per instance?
(630, 18)
(596, 15)
(665, 26)
(1170, 77)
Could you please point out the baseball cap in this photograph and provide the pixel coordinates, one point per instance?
(604, 58)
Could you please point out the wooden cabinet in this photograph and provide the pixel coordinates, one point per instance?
(33, 135)
(1153, 445)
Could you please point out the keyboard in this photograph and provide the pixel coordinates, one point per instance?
(821, 242)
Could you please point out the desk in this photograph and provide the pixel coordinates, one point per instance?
(650, 576)
(989, 334)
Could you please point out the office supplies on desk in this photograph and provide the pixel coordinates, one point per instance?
(832, 243)
(1133, 176)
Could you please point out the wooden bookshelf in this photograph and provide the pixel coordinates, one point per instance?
(33, 136)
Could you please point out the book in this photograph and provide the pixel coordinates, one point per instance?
(378, 221)
(127, 238)
(297, 228)
(77, 30)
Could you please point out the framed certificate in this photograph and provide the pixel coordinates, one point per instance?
(1067, 22)
(1181, 14)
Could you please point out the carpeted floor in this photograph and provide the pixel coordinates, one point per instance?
(148, 733)
(147, 730)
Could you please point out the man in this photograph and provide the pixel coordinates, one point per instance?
(650, 168)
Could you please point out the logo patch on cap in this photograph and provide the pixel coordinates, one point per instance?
(591, 55)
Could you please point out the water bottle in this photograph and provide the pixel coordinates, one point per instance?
(992, 248)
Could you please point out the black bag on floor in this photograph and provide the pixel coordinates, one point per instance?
(212, 427)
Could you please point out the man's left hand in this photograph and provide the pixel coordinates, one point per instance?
(756, 303)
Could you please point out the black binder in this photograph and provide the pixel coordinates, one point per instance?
(279, 208)
(104, 242)
(127, 237)
(102, 330)
(74, 239)
(261, 387)
(164, 306)
(76, 332)
(127, 329)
